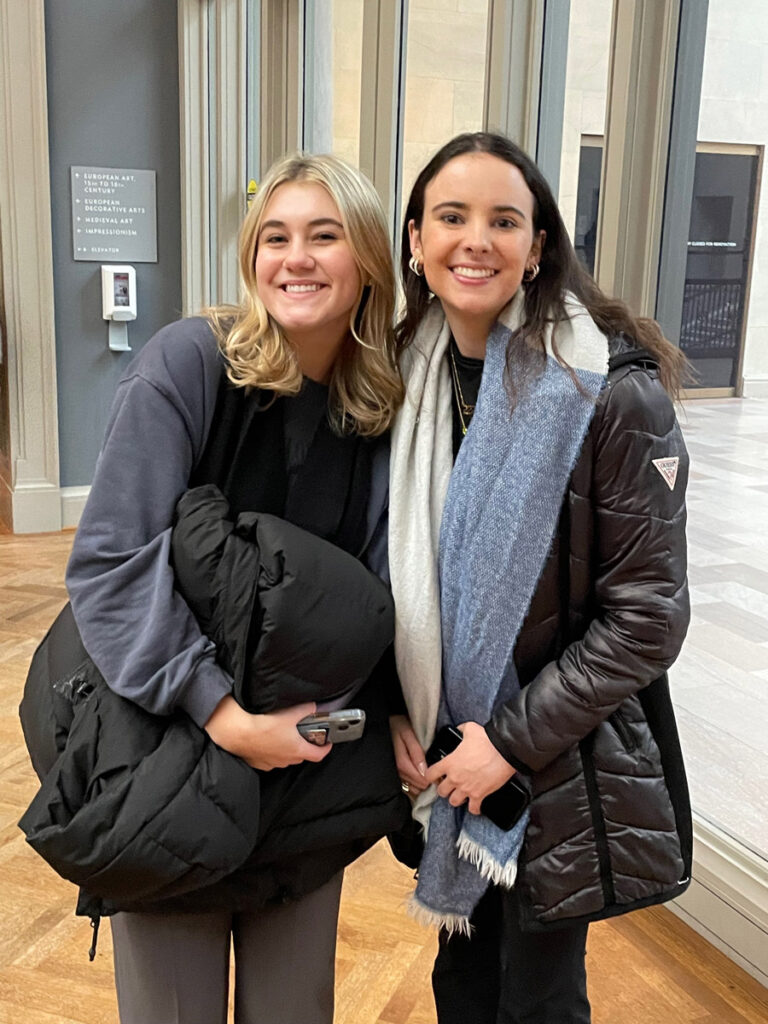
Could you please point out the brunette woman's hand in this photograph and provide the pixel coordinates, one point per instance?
(409, 755)
(264, 741)
(472, 771)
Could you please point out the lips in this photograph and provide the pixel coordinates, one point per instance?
(478, 273)
(301, 287)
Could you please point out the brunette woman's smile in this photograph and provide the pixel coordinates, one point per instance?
(473, 275)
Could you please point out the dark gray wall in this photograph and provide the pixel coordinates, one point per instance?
(5, 422)
(113, 101)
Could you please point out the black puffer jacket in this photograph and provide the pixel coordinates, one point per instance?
(141, 810)
(271, 595)
(593, 724)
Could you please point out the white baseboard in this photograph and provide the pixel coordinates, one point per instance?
(44, 508)
(727, 902)
(36, 508)
(72, 504)
(755, 387)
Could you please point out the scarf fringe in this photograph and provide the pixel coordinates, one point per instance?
(487, 865)
(452, 923)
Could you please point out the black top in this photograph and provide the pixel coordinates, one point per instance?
(282, 456)
(469, 372)
(300, 422)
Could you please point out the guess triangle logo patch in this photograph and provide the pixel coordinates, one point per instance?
(668, 469)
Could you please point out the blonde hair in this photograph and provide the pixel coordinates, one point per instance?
(366, 388)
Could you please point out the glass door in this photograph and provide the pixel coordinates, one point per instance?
(718, 264)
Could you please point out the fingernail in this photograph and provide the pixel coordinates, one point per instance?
(422, 768)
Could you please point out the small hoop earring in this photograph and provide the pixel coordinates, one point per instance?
(415, 266)
(531, 273)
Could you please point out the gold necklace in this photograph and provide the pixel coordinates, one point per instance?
(465, 409)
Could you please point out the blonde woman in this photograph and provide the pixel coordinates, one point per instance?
(284, 402)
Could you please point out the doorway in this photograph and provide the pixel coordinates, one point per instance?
(718, 264)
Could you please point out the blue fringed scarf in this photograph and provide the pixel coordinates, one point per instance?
(501, 505)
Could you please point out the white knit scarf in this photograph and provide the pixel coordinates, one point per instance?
(485, 555)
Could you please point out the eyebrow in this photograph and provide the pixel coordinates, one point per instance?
(313, 223)
(455, 205)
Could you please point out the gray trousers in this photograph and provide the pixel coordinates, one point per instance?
(174, 968)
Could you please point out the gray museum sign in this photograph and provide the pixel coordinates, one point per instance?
(114, 217)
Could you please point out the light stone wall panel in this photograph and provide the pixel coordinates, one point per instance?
(451, 47)
(346, 61)
(445, 75)
(589, 33)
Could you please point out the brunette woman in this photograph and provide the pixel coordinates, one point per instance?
(537, 555)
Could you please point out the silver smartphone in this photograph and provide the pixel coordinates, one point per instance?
(332, 726)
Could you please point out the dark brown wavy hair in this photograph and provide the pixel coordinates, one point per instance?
(560, 269)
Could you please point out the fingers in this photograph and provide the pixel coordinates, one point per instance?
(453, 794)
(308, 751)
(409, 755)
(412, 784)
(276, 742)
(314, 753)
(409, 773)
(415, 753)
(435, 773)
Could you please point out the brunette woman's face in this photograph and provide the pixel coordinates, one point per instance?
(306, 273)
(477, 235)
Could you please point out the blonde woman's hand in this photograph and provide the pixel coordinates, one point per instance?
(472, 771)
(264, 741)
(409, 755)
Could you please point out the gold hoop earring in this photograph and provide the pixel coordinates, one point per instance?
(531, 273)
(415, 266)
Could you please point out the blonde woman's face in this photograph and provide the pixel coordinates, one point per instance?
(306, 273)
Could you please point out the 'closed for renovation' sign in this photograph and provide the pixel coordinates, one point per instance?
(114, 218)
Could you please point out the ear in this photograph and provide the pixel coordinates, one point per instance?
(537, 246)
(415, 238)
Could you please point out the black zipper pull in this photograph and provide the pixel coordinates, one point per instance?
(95, 922)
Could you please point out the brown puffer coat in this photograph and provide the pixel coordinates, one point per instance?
(593, 725)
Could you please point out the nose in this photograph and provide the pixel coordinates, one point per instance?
(298, 256)
(476, 236)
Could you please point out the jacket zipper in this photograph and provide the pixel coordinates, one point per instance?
(598, 822)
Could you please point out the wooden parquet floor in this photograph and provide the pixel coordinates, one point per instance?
(646, 968)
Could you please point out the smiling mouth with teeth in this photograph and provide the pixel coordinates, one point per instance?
(474, 271)
(301, 287)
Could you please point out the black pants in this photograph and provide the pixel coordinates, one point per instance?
(504, 976)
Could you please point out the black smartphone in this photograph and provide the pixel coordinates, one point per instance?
(503, 807)
(333, 726)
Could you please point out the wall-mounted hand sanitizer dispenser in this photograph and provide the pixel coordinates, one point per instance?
(118, 299)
